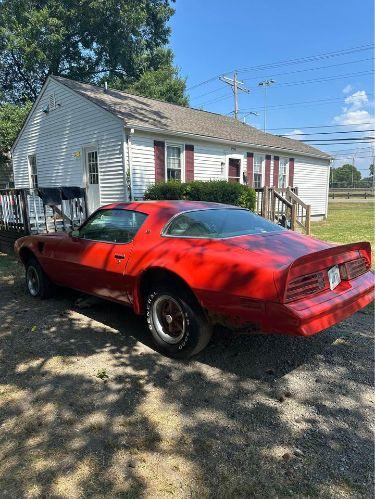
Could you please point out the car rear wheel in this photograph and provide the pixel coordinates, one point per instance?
(179, 329)
(37, 282)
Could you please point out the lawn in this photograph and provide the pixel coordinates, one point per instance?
(347, 222)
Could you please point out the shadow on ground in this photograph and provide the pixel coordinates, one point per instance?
(250, 416)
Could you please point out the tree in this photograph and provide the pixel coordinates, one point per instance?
(11, 120)
(163, 84)
(371, 170)
(122, 41)
(345, 175)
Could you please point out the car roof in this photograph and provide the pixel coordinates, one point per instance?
(170, 207)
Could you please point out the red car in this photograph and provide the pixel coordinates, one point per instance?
(190, 265)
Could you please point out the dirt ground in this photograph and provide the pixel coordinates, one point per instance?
(89, 409)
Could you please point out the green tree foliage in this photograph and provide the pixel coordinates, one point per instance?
(163, 84)
(122, 41)
(371, 170)
(345, 175)
(11, 120)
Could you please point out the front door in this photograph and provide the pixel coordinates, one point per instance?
(234, 170)
(92, 178)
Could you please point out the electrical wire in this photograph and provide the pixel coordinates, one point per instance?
(285, 62)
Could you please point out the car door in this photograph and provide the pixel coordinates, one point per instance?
(94, 258)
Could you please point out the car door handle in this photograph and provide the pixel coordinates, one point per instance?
(119, 257)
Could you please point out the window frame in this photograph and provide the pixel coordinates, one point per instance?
(286, 174)
(262, 172)
(163, 232)
(109, 242)
(182, 160)
(32, 175)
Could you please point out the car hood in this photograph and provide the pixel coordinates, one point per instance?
(277, 250)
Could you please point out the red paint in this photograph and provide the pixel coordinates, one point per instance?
(291, 172)
(276, 160)
(267, 176)
(159, 153)
(250, 168)
(241, 279)
(189, 163)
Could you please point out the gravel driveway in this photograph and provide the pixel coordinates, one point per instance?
(89, 409)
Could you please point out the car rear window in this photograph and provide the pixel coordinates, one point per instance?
(219, 223)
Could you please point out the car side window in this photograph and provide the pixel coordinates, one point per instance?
(116, 226)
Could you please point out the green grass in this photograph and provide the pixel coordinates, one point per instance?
(347, 223)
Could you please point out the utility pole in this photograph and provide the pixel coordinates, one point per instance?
(236, 85)
(265, 84)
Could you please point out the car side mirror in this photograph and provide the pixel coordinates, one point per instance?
(74, 233)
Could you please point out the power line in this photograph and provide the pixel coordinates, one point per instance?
(288, 73)
(319, 126)
(304, 103)
(327, 133)
(346, 139)
(305, 82)
(302, 60)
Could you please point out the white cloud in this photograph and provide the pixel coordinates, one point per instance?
(355, 113)
(349, 88)
(357, 100)
(296, 134)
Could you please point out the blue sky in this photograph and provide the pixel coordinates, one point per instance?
(213, 37)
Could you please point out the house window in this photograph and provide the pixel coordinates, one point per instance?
(258, 170)
(174, 163)
(93, 169)
(33, 171)
(283, 173)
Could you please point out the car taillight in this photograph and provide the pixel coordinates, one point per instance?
(354, 268)
(305, 285)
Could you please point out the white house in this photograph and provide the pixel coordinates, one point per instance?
(106, 140)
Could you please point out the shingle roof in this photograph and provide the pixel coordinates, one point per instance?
(171, 118)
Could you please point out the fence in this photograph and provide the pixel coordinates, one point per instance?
(23, 212)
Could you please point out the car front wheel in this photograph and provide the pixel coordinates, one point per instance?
(37, 282)
(178, 329)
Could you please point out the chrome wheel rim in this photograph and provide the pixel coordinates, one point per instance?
(169, 319)
(33, 283)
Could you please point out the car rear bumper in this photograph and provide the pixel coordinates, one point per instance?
(312, 315)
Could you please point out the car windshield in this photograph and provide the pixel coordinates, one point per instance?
(219, 223)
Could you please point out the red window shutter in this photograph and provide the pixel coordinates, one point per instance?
(189, 163)
(250, 169)
(267, 177)
(276, 160)
(291, 172)
(159, 152)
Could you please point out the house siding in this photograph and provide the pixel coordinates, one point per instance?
(310, 174)
(58, 136)
(311, 178)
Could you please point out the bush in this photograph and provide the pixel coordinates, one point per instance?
(217, 191)
(165, 190)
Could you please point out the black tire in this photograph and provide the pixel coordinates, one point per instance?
(185, 341)
(37, 283)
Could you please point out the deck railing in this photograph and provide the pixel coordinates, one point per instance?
(283, 206)
(23, 212)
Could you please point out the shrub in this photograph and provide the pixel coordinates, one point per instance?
(165, 190)
(216, 191)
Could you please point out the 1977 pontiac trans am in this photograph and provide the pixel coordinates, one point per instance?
(190, 265)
